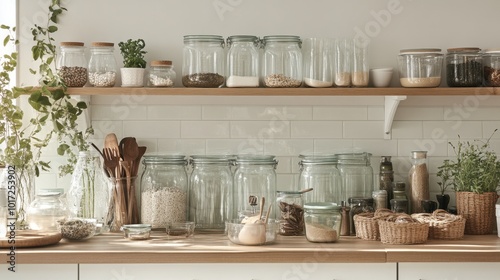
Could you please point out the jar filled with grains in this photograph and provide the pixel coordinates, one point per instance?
(491, 61)
(243, 61)
(291, 213)
(164, 190)
(72, 64)
(464, 67)
(161, 74)
(420, 67)
(322, 222)
(282, 61)
(102, 65)
(203, 61)
(419, 181)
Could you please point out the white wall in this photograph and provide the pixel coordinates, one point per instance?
(284, 126)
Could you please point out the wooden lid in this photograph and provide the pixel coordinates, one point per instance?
(102, 44)
(72, 44)
(161, 63)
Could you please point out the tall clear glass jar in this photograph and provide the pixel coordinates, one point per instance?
(102, 65)
(419, 181)
(291, 213)
(282, 61)
(322, 222)
(491, 62)
(357, 175)
(161, 74)
(203, 61)
(464, 67)
(318, 62)
(255, 176)
(321, 174)
(343, 58)
(164, 190)
(360, 67)
(44, 212)
(72, 64)
(420, 67)
(210, 192)
(242, 61)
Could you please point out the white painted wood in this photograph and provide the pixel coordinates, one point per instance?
(449, 271)
(40, 272)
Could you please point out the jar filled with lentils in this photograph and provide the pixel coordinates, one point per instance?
(72, 64)
(491, 62)
(282, 61)
(161, 74)
(203, 61)
(464, 67)
(102, 65)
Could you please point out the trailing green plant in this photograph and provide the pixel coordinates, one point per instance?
(133, 53)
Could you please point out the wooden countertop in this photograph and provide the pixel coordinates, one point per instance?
(216, 248)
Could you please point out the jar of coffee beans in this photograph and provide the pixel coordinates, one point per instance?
(72, 64)
(491, 62)
(203, 61)
(161, 74)
(102, 65)
(282, 61)
(464, 67)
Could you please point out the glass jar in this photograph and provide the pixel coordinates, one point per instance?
(282, 61)
(343, 52)
(44, 212)
(464, 67)
(419, 180)
(254, 178)
(420, 67)
(291, 213)
(321, 174)
(322, 222)
(203, 61)
(386, 177)
(243, 61)
(318, 62)
(164, 190)
(161, 74)
(360, 67)
(491, 61)
(399, 205)
(357, 175)
(358, 206)
(210, 192)
(380, 199)
(72, 64)
(102, 65)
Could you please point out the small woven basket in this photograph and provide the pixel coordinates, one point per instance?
(442, 225)
(402, 229)
(366, 224)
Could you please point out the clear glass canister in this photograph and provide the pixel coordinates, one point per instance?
(282, 61)
(343, 58)
(321, 174)
(318, 55)
(161, 74)
(358, 206)
(464, 67)
(357, 175)
(419, 180)
(72, 64)
(291, 213)
(102, 65)
(203, 61)
(243, 61)
(254, 179)
(164, 190)
(360, 74)
(420, 67)
(491, 62)
(210, 192)
(44, 212)
(322, 222)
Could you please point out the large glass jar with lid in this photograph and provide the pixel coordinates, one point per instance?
(242, 61)
(210, 192)
(161, 74)
(164, 190)
(464, 67)
(290, 213)
(322, 222)
(203, 61)
(46, 209)
(320, 173)
(102, 65)
(282, 61)
(254, 178)
(491, 62)
(420, 67)
(72, 64)
(357, 175)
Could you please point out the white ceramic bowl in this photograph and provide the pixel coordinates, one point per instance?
(381, 77)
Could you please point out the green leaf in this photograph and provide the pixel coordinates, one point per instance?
(52, 29)
(57, 94)
(3, 26)
(62, 149)
(81, 105)
(6, 40)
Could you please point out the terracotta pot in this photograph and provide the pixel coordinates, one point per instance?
(478, 210)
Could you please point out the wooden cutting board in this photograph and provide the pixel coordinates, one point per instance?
(31, 238)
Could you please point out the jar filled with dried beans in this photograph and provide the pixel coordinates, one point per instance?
(102, 65)
(282, 61)
(203, 61)
(491, 62)
(161, 74)
(291, 213)
(464, 67)
(72, 64)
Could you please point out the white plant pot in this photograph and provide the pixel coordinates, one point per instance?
(132, 77)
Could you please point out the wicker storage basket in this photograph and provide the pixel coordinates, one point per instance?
(366, 224)
(478, 210)
(402, 229)
(442, 225)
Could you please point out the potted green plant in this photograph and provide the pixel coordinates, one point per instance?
(475, 176)
(444, 173)
(133, 62)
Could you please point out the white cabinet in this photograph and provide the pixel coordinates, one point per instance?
(261, 271)
(40, 272)
(449, 271)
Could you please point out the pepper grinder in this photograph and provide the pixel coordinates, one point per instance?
(345, 229)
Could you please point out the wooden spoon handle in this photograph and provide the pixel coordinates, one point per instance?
(261, 210)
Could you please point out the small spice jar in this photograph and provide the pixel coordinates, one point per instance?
(161, 74)
(491, 62)
(203, 61)
(44, 212)
(243, 61)
(380, 199)
(282, 61)
(358, 206)
(420, 67)
(322, 222)
(464, 67)
(72, 64)
(102, 65)
(291, 215)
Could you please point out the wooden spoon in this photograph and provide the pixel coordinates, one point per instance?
(137, 161)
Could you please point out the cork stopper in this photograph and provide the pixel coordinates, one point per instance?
(161, 63)
(464, 50)
(72, 44)
(102, 44)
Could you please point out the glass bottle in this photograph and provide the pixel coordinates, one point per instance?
(243, 61)
(343, 52)
(291, 213)
(322, 222)
(386, 177)
(161, 74)
(102, 65)
(44, 212)
(203, 61)
(282, 61)
(491, 62)
(419, 180)
(72, 64)
(464, 67)
(210, 192)
(400, 201)
(318, 62)
(357, 175)
(254, 176)
(164, 190)
(321, 174)
(360, 67)
(358, 206)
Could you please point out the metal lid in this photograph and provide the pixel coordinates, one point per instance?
(421, 51)
(161, 63)
(72, 44)
(203, 38)
(256, 159)
(492, 50)
(102, 44)
(318, 159)
(164, 159)
(322, 206)
(464, 50)
(212, 159)
(282, 38)
(242, 38)
(418, 154)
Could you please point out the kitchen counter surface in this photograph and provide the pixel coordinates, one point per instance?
(216, 248)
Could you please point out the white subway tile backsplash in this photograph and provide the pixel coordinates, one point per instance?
(150, 144)
(316, 129)
(286, 182)
(260, 129)
(118, 112)
(288, 147)
(488, 129)
(284, 165)
(205, 129)
(180, 112)
(471, 113)
(419, 113)
(407, 129)
(152, 129)
(102, 128)
(452, 129)
(364, 129)
(376, 113)
(235, 146)
(434, 147)
(256, 113)
(340, 113)
(182, 146)
(217, 112)
(332, 146)
(378, 147)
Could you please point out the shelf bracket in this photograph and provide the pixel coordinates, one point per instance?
(390, 108)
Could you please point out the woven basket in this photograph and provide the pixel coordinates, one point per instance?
(366, 224)
(478, 211)
(402, 229)
(442, 225)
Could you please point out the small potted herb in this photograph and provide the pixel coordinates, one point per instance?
(444, 173)
(133, 62)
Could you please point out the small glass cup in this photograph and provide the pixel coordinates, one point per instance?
(136, 231)
(180, 230)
